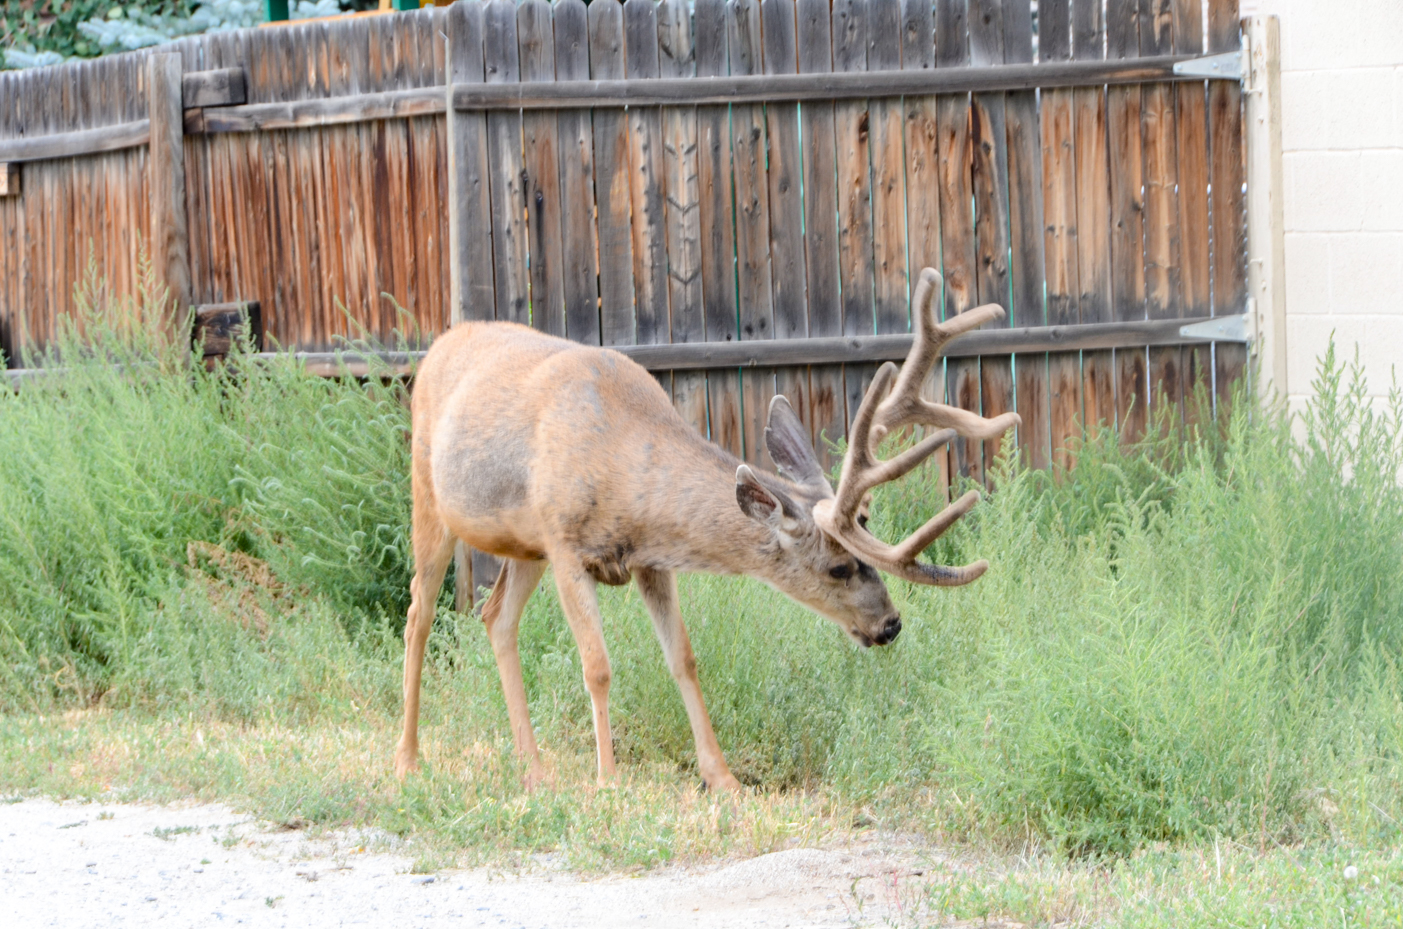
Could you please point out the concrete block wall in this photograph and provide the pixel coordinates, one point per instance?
(1342, 159)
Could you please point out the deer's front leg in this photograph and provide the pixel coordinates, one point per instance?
(579, 598)
(659, 592)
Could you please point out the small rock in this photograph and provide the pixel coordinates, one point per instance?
(424, 880)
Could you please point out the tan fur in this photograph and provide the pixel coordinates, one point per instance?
(541, 450)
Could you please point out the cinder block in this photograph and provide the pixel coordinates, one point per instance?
(1339, 33)
(1366, 274)
(1308, 272)
(1337, 110)
(1397, 107)
(1381, 180)
(1323, 191)
(1379, 340)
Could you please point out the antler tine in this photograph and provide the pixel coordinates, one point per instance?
(887, 406)
(904, 406)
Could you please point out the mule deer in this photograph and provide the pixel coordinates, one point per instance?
(543, 451)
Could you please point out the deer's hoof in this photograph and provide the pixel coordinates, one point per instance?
(534, 779)
(725, 784)
(406, 763)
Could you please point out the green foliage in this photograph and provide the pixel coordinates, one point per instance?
(52, 25)
(1179, 641)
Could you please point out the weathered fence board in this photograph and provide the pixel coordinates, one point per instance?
(746, 184)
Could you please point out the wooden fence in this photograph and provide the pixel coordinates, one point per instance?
(739, 193)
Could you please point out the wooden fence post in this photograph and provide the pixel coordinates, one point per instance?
(170, 240)
(471, 290)
(1266, 236)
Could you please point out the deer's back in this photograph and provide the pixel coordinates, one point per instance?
(524, 437)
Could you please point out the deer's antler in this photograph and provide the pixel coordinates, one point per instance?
(885, 408)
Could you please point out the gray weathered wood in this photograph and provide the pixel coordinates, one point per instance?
(75, 144)
(827, 410)
(647, 178)
(541, 171)
(611, 180)
(217, 87)
(677, 58)
(509, 234)
(957, 230)
(170, 237)
(787, 260)
(471, 292)
(580, 251)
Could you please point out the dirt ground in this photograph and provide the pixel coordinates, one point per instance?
(95, 864)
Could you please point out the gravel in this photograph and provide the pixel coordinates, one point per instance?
(91, 865)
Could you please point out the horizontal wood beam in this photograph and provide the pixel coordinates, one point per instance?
(695, 356)
(771, 88)
(328, 111)
(214, 95)
(82, 142)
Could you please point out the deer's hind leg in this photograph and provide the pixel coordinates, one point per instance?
(579, 599)
(501, 614)
(659, 592)
(433, 550)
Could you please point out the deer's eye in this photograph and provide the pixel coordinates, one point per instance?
(841, 573)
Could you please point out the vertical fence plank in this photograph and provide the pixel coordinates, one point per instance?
(677, 58)
(718, 235)
(990, 181)
(1191, 123)
(786, 209)
(923, 179)
(855, 235)
(1163, 282)
(752, 218)
(1026, 231)
(509, 237)
(1227, 208)
(580, 249)
(890, 287)
(1062, 237)
(788, 262)
(1127, 211)
(827, 408)
(611, 179)
(541, 171)
(469, 201)
(646, 193)
(170, 236)
(957, 231)
(1093, 218)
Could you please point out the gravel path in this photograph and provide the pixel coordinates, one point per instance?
(91, 865)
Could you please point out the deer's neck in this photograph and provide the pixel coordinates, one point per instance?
(695, 523)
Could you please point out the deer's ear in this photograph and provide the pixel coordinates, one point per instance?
(764, 505)
(789, 445)
(755, 500)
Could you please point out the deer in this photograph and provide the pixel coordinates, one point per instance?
(544, 451)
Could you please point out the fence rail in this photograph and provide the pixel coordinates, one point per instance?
(736, 193)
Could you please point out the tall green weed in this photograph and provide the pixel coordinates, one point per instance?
(1194, 636)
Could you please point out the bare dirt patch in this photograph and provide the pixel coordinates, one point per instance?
(95, 864)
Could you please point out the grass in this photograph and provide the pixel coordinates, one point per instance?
(1185, 650)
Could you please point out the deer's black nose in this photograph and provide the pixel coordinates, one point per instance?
(890, 630)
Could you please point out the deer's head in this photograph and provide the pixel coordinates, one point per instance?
(824, 557)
